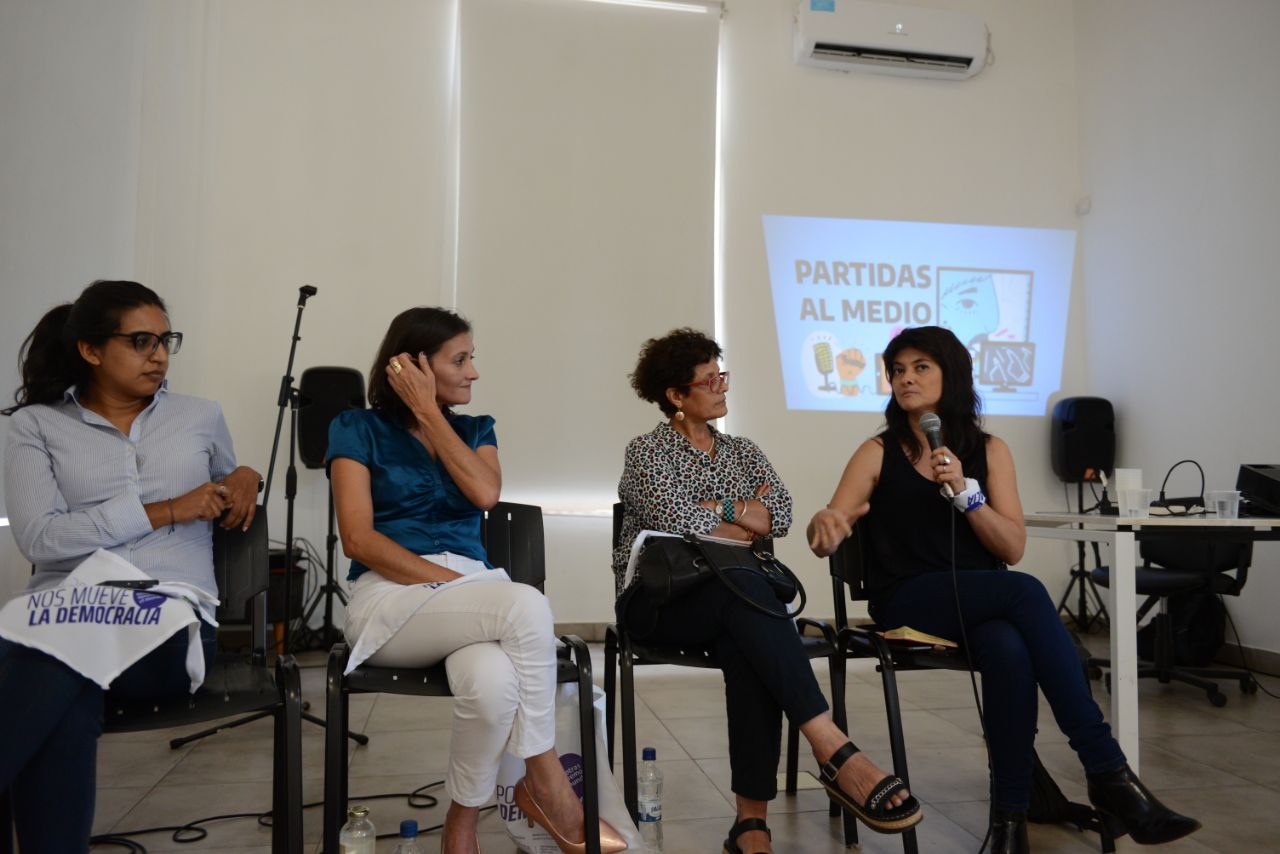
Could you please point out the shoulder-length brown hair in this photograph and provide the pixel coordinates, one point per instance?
(417, 330)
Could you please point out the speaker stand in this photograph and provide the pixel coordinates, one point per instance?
(325, 635)
(1083, 586)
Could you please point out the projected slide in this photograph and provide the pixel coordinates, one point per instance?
(843, 287)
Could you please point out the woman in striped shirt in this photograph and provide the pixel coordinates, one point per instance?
(101, 455)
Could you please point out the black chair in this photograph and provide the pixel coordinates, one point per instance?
(236, 683)
(513, 539)
(850, 566)
(624, 654)
(1176, 567)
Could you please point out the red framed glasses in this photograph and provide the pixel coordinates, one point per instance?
(713, 383)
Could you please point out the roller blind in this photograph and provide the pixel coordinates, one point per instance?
(586, 223)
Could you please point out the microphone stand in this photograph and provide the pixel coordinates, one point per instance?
(288, 397)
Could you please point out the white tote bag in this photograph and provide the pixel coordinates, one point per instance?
(613, 809)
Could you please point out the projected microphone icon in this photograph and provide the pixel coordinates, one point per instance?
(822, 358)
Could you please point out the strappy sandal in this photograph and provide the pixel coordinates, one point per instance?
(875, 811)
(745, 826)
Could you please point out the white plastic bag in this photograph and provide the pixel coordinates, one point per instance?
(613, 809)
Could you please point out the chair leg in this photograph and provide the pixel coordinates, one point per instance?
(587, 733)
(630, 782)
(840, 714)
(610, 684)
(337, 711)
(286, 822)
(897, 742)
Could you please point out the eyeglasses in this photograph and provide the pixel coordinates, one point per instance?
(146, 343)
(712, 382)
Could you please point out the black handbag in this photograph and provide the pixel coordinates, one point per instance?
(670, 567)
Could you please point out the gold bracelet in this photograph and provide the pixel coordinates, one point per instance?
(746, 503)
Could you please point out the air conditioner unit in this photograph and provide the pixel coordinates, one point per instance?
(890, 38)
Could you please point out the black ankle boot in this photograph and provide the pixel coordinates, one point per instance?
(1008, 832)
(1127, 807)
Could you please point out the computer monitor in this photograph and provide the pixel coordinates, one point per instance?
(1259, 484)
(1006, 364)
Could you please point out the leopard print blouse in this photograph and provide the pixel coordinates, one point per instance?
(664, 477)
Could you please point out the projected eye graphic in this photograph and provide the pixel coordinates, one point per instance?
(843, 288)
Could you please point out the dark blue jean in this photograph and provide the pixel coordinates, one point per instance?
(1018, 643)
(765, 666)
(50, 720)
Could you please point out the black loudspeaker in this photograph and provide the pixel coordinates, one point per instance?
(325, 392)
(1083, 437)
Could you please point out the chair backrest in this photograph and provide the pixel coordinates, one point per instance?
(240, 567)
(1204, 556)
(513, 539)
(848, 566)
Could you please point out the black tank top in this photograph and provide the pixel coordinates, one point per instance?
(909, 526)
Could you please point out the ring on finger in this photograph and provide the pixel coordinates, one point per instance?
(396, 367)
(946, 461)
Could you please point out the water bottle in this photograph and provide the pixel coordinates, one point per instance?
(408, 843)
(650, 800)
(358, 835)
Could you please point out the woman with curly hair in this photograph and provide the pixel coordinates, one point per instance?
(685, 476)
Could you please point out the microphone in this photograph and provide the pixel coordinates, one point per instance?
(931, 424)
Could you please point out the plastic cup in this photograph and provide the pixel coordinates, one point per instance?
(1226, 502)
(1136, 503)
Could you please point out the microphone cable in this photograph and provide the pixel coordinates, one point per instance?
(968, 657)
(193, 831)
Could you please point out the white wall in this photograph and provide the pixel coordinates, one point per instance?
(68, 171)
(999, 149)
(227, 153)
(1179, 128)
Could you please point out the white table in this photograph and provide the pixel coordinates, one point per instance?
(1120, 537)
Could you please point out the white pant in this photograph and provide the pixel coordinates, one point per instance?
(498, 644)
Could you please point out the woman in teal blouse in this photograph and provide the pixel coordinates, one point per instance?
(411, 481)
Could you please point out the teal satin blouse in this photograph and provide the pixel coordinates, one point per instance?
(415, 501)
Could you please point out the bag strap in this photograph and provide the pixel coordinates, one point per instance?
(764, 557)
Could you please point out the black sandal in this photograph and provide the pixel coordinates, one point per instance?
(745, 826)
(874, 812)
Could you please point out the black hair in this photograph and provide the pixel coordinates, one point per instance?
(959, 407)
(669, 362)
(49, 361)
(416, 330)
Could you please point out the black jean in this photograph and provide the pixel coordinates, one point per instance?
(50, 720)
(766, 671)
(1019, 644)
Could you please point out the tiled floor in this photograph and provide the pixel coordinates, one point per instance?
(1221, 765)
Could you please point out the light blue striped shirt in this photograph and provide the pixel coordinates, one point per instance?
(74, 483)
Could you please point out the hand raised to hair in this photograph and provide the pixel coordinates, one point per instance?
(415, 383)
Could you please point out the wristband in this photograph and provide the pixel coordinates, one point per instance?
(970, 499)
(728, 514)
